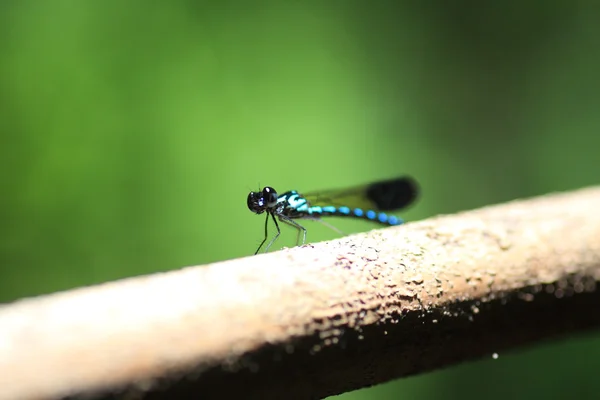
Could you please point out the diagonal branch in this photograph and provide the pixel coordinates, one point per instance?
(319, 320)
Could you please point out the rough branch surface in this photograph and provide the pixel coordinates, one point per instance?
(319, 320)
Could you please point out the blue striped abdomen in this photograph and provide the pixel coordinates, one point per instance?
(371, 215)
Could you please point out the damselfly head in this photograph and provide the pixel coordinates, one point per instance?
(258, 202)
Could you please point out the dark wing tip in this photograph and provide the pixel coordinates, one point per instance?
(394, 193)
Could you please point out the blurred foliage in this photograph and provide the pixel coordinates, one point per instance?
(132, 132)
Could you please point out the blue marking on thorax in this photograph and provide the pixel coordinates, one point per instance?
(295, 201)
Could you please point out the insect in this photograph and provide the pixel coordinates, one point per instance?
(364, 201)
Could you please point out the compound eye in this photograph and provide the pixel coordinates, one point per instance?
(269, 196)
(253, 202)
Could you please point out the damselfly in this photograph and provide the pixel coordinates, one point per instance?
(364, 201)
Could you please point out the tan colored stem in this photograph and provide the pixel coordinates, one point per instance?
(322, 319)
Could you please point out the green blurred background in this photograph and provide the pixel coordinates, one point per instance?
(132, 132)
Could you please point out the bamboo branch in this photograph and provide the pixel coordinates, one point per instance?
(322, 319)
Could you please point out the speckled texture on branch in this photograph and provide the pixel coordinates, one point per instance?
(319, 320)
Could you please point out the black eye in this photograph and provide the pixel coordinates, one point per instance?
(253, 200)
(258, 202)
(269, 196)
